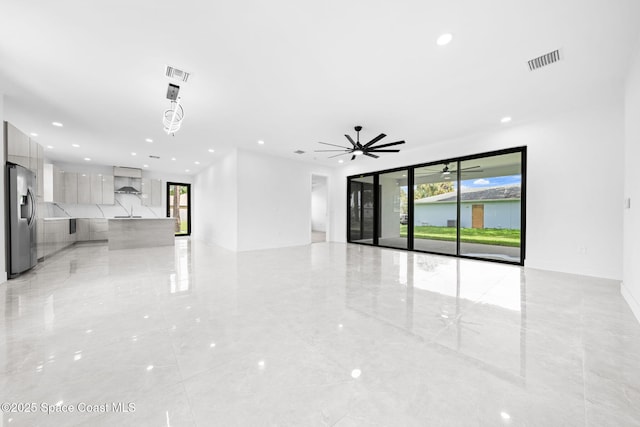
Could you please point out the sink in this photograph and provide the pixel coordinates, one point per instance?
(127, 216)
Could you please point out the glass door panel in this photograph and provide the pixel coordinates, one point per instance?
(490, 207)
(178, 207)
(393, 209)
(361, 210)
(435, 208)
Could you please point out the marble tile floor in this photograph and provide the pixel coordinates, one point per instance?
(322, 335)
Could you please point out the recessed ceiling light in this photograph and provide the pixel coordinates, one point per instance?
(57, 124)
(75, 145)
(87, 159)
(197, 163)
(145, 166)
(505, 120)
(149, 140)
(34, 134)
(340, 161)
(211, 150)
(133, 154)
(444, 39)
(261, 142)
(173, 158)
(50, 147)
(186, 170)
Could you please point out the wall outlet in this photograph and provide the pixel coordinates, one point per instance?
(627, 203)
(582, 250)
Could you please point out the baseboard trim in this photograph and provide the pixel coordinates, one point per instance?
(633, 303)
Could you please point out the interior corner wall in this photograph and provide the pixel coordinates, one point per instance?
(274, 201)
(631, 216)
(215, 207)
(574, 184)
(3, 263)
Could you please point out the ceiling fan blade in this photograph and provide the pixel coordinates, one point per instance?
(320, 151)
(326, 143)
(374, 140)
(370, 155)
(387, 145)
(464, 171)
(351, 140)
(336, 155)
(470, 167)
(382, 151)
(353, 157)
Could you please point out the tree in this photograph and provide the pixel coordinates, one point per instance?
(432, 189)
(175, 203)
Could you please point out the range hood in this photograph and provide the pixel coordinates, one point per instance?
(127, 189)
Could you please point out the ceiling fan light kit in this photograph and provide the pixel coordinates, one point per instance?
(357, 149)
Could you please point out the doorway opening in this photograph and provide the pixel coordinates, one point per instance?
(319, 211)
(179, 207)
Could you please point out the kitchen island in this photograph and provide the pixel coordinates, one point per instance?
(130, 233)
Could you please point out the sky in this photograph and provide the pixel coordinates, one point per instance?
(492, 181)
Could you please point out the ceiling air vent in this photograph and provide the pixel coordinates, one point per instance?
(299, 152)
(177, 74)
(544, 60)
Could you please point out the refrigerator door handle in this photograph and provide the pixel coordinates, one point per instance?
(32, 202)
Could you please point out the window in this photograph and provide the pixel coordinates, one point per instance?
(472, 207)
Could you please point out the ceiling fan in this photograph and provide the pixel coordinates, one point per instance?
(445, 171)
(358, 149)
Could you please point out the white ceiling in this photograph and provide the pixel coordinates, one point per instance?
(292, 73)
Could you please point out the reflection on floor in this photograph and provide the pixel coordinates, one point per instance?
(502, 253)
(323, 334)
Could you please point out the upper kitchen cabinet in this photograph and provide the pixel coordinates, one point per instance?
(96, 189)
(84, 189)
(71, 188)
(151, 192)
(18, 146)
(107, 190)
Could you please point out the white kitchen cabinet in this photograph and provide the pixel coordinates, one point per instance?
(98, 229)
(156, 192)
(18, 146)
(40, 173)
(96, 189)
(107, 190)
(82, 229)
(151, 192)
(33, 156)
(71, 188)
(58, 184)
(84, 189)
(145, 196)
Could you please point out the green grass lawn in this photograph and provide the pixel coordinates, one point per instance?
(486, 236)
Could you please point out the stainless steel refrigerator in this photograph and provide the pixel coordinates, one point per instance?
(21, 230)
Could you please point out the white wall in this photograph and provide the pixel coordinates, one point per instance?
(319, 200)
(3, 260)
(250, 201)
(215, 213)
(574, 220)
(274, 201)
(631, 277)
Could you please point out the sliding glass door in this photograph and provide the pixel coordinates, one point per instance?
(394, 209)
(471, 207)
(490, 207)
(435, 210)
(361, 210)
